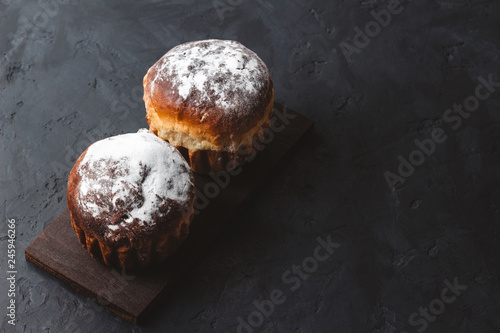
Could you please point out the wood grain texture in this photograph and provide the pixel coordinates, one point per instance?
(131, 294)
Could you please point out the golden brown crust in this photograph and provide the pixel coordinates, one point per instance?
(211, 160)
(212, 132)
(134, 247)
(204, 124)
(205, 117)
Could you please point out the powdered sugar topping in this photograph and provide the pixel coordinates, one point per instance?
(132, 175)
(218, 73)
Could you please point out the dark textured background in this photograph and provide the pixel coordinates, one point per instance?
(72, 73)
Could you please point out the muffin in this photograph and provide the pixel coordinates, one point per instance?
(131, 199)
(210, 99)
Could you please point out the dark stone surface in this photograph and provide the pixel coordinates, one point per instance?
(71, 73)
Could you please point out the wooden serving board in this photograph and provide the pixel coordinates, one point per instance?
(130, 295)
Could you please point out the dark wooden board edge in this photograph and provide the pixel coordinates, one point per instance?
(86, 292)
(31, 256)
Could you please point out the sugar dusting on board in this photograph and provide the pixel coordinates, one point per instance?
(132, 174)
(218, 73)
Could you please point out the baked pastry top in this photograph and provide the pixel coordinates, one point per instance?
(208, 95)
(131, 199)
